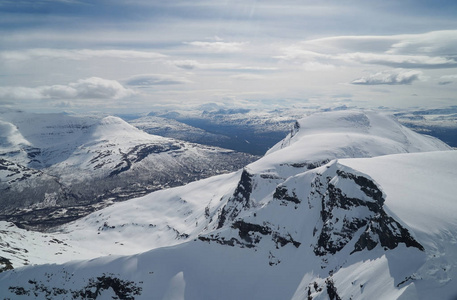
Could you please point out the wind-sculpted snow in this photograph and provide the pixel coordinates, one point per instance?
(296, 224)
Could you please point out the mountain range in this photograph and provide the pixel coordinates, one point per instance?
(255, 131)
(55, 168)
(349, 205)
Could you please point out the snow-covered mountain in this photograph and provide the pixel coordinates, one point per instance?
(246, 130)
(256, 130)
(50, 161)
(174, 129)
(439, 122)
(364, 219)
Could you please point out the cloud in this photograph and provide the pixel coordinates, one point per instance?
(317, 66)
(144, 80)
(90, 88)
(77, 54)
(394, 77)
(299, 52)
(449, 76)
(432, 50)
(219, 46)
(442, 42)
(447, 79)
(247, 77)
(195, 65)
(58, 91)
(9, 93)
(401, 61)
(96, 87)
(186, 64)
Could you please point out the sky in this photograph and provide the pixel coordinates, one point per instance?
(135, 56)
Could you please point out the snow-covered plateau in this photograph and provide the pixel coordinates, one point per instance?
(350, 205)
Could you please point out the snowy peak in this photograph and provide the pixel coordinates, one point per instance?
(354, 134)
(333, 207)
(111, 127)
(73, 151)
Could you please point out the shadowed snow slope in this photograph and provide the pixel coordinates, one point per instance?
(300, 228)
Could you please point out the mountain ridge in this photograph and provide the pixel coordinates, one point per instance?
(295, 224)
(72, 152)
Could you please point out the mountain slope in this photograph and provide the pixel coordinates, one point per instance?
(174, 129)
(206, 269)
(73, 152)
(351, 133)
(292, 225)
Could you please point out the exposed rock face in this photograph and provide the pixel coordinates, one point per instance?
(350, 203)
(282, 193)
(5, 264)
(123, 289)
(250, 235)
(239, 201)
(386, 231)
(345, 206)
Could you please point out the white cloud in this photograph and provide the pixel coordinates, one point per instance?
(77, 54)
(96, 87)
(58, 91)
(247, 77)
(447, 79)
(186, 64)
(145, 80)
(90, 88)
(428, 50)
(218, 46)
(9, 93)
(299, 52)
(454, 76)
(391, 77)
(436, 42)
(317, 66)
(400, 61)
(193, 64)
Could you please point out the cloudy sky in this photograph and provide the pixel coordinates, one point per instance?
(140, 55)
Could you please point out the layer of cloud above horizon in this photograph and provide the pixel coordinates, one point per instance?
(394, 77)
(146, 53)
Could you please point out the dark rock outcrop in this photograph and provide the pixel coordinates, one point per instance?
(239, 201)
(356, 212)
